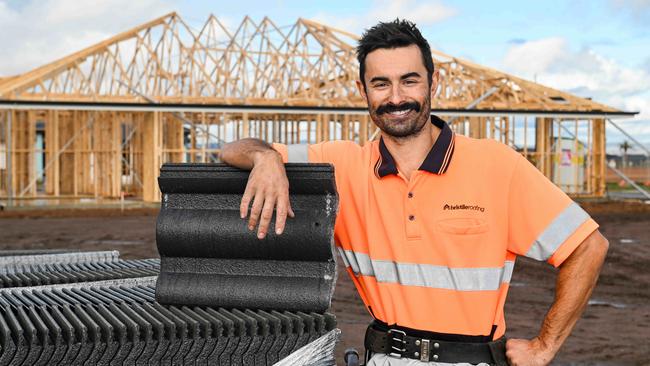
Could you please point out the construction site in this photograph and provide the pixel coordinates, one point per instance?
(83, 139)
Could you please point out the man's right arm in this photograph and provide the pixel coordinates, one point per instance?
(267, 187)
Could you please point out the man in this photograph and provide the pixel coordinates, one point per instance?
(430, 223)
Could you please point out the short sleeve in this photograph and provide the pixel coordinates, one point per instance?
(333, 152)
(543, 222)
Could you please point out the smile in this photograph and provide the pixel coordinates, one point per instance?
(399, 113)
(398, 110)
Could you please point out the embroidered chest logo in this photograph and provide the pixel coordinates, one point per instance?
(463, 207)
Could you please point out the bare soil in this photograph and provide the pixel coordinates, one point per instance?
(614, 330)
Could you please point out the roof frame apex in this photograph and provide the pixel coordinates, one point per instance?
(287, 71)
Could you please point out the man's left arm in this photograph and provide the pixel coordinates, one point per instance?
(576, 280)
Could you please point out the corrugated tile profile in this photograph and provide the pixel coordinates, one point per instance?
(209, 257)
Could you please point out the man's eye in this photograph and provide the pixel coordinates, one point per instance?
(380, 85)
(410, 82)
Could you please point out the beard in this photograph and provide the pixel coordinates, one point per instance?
(403, 121)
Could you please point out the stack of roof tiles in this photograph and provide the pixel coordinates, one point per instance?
(55, 268)
(209, 257)
(226, 305)
(120, 323)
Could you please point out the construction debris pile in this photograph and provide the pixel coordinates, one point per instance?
(215, 302)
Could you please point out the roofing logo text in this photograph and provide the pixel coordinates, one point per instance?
(463, 207)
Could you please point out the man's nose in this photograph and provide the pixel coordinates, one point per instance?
(396, 95)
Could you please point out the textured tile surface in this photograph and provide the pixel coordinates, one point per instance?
(209, 257)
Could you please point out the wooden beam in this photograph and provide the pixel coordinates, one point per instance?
(10, 157)
(475, 127)
(599, 148)
(152, 136)
(543, 141)
(363, 130)
(246, 126)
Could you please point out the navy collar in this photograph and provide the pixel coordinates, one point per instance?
(437, 160)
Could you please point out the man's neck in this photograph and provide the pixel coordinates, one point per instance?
(409, 153)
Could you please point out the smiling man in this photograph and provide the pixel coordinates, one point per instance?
(430, 223)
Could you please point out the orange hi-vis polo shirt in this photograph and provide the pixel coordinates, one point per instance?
(436, 252)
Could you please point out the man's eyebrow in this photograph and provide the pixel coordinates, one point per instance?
(378, 78)
(405, 76)
(410, 75)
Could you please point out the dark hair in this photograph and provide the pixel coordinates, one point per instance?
(398, 33)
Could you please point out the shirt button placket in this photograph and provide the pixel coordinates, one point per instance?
(412, 230)
(409, 204)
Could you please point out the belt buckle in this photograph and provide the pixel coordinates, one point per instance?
(424, 350)
(394, 349)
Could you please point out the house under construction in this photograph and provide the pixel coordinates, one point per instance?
(100, 122)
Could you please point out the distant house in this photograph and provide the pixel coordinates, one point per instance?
(633, 160)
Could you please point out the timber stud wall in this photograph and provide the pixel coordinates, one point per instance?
(101, 154)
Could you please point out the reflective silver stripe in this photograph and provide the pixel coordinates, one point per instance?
(565, 224)
(297, 153)
(343, 256)
(361, 263)
(508, 268)
(427, 275)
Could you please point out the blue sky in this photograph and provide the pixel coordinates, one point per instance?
(480, 30)
(598, 49)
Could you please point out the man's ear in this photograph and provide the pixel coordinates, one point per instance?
(435, 81)
(362, 90)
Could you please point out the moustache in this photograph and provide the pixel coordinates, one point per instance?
(390, 107)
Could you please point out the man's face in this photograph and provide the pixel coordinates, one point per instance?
(397, 90)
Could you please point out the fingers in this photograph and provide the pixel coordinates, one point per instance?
(262, 209)
(268, 190)
(283, 208)
(512, 346)
(245, 202)
(267, 214)
(527, 352)
(256, 210)
(261, 212)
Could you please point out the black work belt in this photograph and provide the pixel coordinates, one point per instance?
(397, 343)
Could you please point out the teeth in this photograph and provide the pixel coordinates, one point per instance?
(400, 113)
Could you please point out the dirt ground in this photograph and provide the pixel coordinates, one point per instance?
(614, 330)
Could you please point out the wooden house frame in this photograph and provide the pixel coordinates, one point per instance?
(100, 122)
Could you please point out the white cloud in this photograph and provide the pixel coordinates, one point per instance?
(552, 62)
(639, 10)
(39, 32)
(351, 24)
(636, 103)
(631, 4)
(423, 13)
(533, 57)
